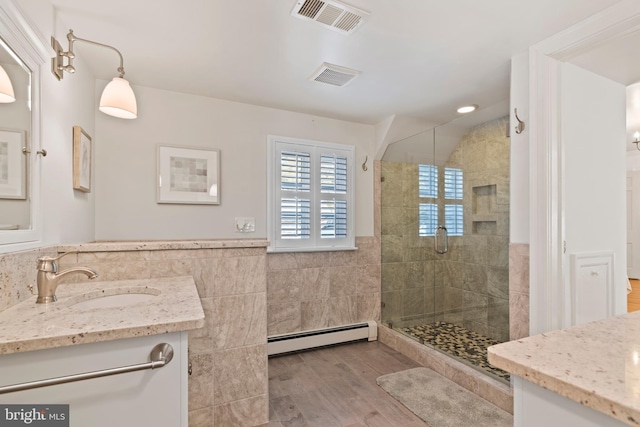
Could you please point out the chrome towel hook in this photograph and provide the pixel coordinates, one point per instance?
(364, 165)
(520, 125)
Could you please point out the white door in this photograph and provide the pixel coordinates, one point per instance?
(594, 143)
(633, 224)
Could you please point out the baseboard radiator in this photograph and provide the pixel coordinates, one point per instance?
(288, 343)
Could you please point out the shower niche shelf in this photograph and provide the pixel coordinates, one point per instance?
(484, 219)
(486, 228)
(485, 199)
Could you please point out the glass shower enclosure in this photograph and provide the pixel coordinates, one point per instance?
(445, 237)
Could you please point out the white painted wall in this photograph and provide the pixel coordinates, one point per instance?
(519, 163)
(68, 215)
(594, 143)
(126, 205)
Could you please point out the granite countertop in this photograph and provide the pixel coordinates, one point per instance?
(596, 364)
(29, 326)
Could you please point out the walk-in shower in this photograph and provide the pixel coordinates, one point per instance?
(445, 237)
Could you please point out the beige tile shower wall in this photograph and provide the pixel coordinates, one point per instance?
(232, 345)
(476, 271)
(316, 290)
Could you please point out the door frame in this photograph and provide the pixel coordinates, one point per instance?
(549, 294)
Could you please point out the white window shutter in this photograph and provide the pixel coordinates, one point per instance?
(310, 195)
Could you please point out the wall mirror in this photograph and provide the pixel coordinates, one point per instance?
(15, 133)
(22, 52)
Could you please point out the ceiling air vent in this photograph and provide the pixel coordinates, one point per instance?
(333, 74)
(333, 14)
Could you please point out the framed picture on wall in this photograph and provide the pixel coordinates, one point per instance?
(13, 164)
(82, 151)
(188, 175)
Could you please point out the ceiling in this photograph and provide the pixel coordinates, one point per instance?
(418, 58)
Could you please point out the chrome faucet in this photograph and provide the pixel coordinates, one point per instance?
(49, 277)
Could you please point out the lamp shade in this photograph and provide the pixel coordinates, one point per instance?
(118, 99)
(6, 88)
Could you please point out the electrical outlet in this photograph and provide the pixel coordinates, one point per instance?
(245, 224)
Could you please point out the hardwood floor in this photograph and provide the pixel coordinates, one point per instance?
(633, 299)
(336, 386)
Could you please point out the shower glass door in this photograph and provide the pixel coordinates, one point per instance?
(445, 223)
(408, 223)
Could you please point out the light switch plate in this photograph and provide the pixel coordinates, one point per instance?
(245, 224)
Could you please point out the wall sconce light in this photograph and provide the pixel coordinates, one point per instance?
(117, 99)
(6, 88)
(636, 140)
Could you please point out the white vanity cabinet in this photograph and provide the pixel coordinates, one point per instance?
(152, 397)
(535, 406)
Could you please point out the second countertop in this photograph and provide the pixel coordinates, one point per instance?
(596, 364)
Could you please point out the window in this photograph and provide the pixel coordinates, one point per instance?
(428, 181)
(428, 219)
(453, 213)
(453, 183)
(428, 210)
(427, 188)
(453, 219)
(310, 195)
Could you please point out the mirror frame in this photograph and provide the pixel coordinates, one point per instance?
(32, 48)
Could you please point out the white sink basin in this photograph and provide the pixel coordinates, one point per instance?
(114, 298)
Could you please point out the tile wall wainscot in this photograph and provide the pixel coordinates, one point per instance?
(315, 290)
(231, 281)
(518, 290)
(17, 273)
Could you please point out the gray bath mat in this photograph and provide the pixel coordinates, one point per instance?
(441, 402)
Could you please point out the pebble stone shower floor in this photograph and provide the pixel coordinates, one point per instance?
(459, 342)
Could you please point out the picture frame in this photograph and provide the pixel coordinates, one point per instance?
(82, 154)
(13, 164)
(188, 175)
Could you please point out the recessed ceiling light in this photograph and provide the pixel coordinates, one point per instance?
(467, 109)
